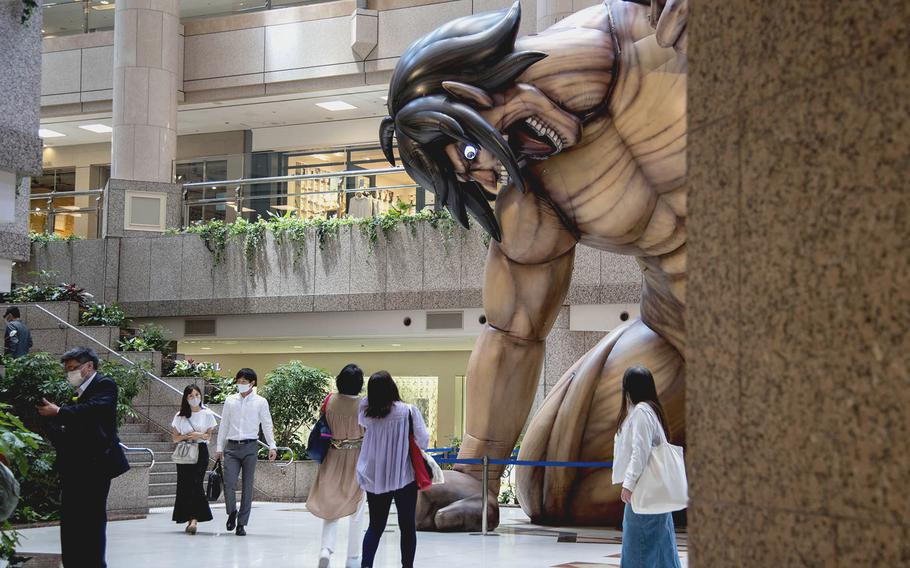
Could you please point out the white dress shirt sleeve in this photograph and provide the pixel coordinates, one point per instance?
(225, 426)
(640, 436)
(265, 419)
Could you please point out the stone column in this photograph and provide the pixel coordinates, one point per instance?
(20, 146)
(146, 81)
(798, 313)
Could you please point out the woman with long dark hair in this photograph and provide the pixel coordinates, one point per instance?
(384, 469)
(647, 540)
(336, 493)
(194, 423)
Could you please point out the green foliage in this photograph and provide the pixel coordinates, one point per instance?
(218, 388)
(31, 460)
(190, 368)
(28, 7)
(45, 238)
(293, 228)
(134, 344)
(130, 380)
(148, 337)
(253, 234)
(295, 392)
(29, 378)
(41, 292)
(214, 234)
(102, 314)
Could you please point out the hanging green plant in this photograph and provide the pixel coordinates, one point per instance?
(253, 234)
(28, 7)
(214, 234)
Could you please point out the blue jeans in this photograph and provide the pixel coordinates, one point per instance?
(648, 541)
(406, 504)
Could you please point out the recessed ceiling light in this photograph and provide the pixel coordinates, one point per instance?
(335, 105)
(99, 128)
(47, 133)
(396, 345)
(206, 348)
(298, 347)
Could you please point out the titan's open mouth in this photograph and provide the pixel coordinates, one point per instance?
(535, 138)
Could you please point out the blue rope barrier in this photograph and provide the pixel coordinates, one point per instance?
(530, 463)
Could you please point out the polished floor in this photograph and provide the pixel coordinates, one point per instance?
(286, 535)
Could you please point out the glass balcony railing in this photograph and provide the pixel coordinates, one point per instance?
(67, 17)
(66, 213)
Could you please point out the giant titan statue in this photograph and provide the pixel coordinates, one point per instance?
(575, 135)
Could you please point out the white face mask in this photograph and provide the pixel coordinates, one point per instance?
(243, 388)
(74, 378)
(194, 401)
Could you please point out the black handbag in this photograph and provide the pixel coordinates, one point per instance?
(320, 437)
(214, 481)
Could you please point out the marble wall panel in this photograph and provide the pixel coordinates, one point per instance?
(166, 269)
(299, 267)
(231, 278)
(98, 68)
(196, 275)
(368, 272)
(236, 52)
(135, 269)
(400, 28)
(292, 46)
(60, 72)
(88, 266)
(59, 261)
(333, 272)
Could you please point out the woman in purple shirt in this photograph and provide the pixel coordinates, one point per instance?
(384, 469)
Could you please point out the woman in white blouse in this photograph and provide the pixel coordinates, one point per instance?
(647, 540)
(193, 423)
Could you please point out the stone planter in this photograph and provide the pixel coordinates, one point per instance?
(130, 492)
(276, 482)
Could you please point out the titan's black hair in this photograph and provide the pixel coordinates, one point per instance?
(382, 394)
(638, 386)
(477, 50)
(82, 355)
(185, 409)
(248, 374)
(350, 380)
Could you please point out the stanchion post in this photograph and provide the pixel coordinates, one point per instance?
(485, 496)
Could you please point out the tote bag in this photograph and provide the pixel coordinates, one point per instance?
(186, 453)
(426, 471)
(320, 436)
(662, 487)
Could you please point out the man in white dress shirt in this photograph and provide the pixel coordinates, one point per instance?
(238, 443)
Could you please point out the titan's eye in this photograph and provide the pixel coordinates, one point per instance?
(470, 152)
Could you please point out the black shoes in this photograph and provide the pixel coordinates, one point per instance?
(232, 521)
(241, 531)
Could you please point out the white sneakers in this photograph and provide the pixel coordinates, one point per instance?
(326, 555)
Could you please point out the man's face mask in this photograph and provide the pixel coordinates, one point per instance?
(243, 387)
(74, 377)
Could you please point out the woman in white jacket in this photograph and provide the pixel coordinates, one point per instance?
(648, 541)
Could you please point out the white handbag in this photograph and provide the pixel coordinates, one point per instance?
(438, 477)
(186, 453)
(662, 487)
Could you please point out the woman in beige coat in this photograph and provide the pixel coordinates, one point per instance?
(336, 493)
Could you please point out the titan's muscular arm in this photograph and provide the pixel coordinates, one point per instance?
(526, 280)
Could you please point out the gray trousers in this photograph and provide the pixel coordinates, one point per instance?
(237, 457)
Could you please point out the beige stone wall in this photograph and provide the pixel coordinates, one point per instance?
(798, 386)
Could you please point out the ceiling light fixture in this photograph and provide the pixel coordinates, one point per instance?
(206, 348)
(336, 106)
(298, 347)
(48, 133)
(97, 128)
(396, 345)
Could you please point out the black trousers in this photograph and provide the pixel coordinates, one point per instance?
(191, 502)
(406, 504)
(83, 520)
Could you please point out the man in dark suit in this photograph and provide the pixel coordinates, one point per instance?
(88, 457)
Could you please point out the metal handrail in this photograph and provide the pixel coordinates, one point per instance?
(146, 371)
(150, 452)
(216, 200)
(276, 179)
(52, 194)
